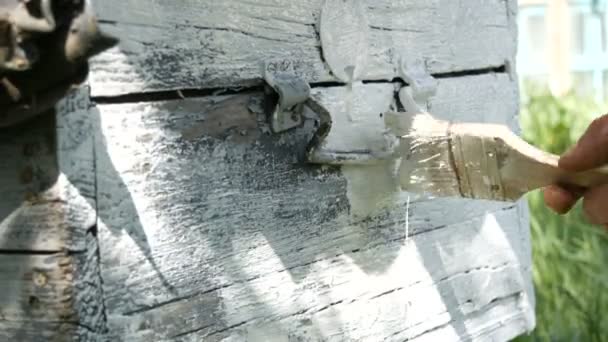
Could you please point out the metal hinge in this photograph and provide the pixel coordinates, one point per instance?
(287, 106)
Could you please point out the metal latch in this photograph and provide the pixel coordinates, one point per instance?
(292, 91)
(422, 86)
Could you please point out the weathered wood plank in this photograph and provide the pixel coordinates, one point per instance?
(30, 217)
(445, 281)
(35, 287)
(214, 44)
(49, 289)
(210, 229)
(47, 202)
(32, 331)
(48, 298)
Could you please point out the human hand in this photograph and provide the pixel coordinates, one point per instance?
(591, 151)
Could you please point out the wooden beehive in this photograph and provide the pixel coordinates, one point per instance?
(158, 205)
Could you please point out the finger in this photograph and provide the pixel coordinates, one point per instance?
(591, 150)
(595, 204)
(559, 199)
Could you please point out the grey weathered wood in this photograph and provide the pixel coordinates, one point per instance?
(35, 287)
(44, 298)
(49, 289)
(47, 202)
(214, 44)
(211, 230)
(30, 218)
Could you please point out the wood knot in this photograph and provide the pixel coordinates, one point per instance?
(40, 279)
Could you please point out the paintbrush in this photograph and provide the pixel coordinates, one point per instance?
(475, 160)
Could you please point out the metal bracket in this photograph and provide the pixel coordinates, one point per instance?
(293, 91)
(422, 86)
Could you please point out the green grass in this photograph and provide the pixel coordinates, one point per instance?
(570, 256)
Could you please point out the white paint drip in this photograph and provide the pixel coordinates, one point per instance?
(407, 220)
(408, 302)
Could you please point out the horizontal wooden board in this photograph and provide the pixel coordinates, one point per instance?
(209, 228)
(216, 44)
(432, 280)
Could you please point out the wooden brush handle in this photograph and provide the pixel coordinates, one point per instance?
(584, 179)
(494, 163)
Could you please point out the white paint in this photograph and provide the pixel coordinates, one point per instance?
(368, 139)
(426, 165)
(255, 245)
(344, 32)
(358, 133)
(368, 147)
(371, 188)
(216, 44)
(251, 250)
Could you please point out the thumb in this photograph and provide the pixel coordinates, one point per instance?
(591, 150)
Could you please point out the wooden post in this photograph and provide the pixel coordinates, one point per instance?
(50, 286)
(205, 225)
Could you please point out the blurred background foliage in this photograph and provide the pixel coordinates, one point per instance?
(570, 256)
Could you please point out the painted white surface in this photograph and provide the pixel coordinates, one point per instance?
(210, 237)
(210, 230)
(214, 44)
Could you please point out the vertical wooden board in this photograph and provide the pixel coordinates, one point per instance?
(76, 159)
(41, 299)
(30, 215)
(35, 287)
(217, 44)
(47, 217)
(210, 229)
(47, 202)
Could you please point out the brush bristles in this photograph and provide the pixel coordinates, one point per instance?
(426, 164)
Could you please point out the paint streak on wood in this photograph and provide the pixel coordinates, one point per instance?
(344, 33)
(365, 140)
(215, 44)
(50, 285)
(206, 237)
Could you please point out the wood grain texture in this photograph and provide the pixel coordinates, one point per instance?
(215, 44)
(212, 230)
(43, 298)
(47, 202)
(48, 286)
